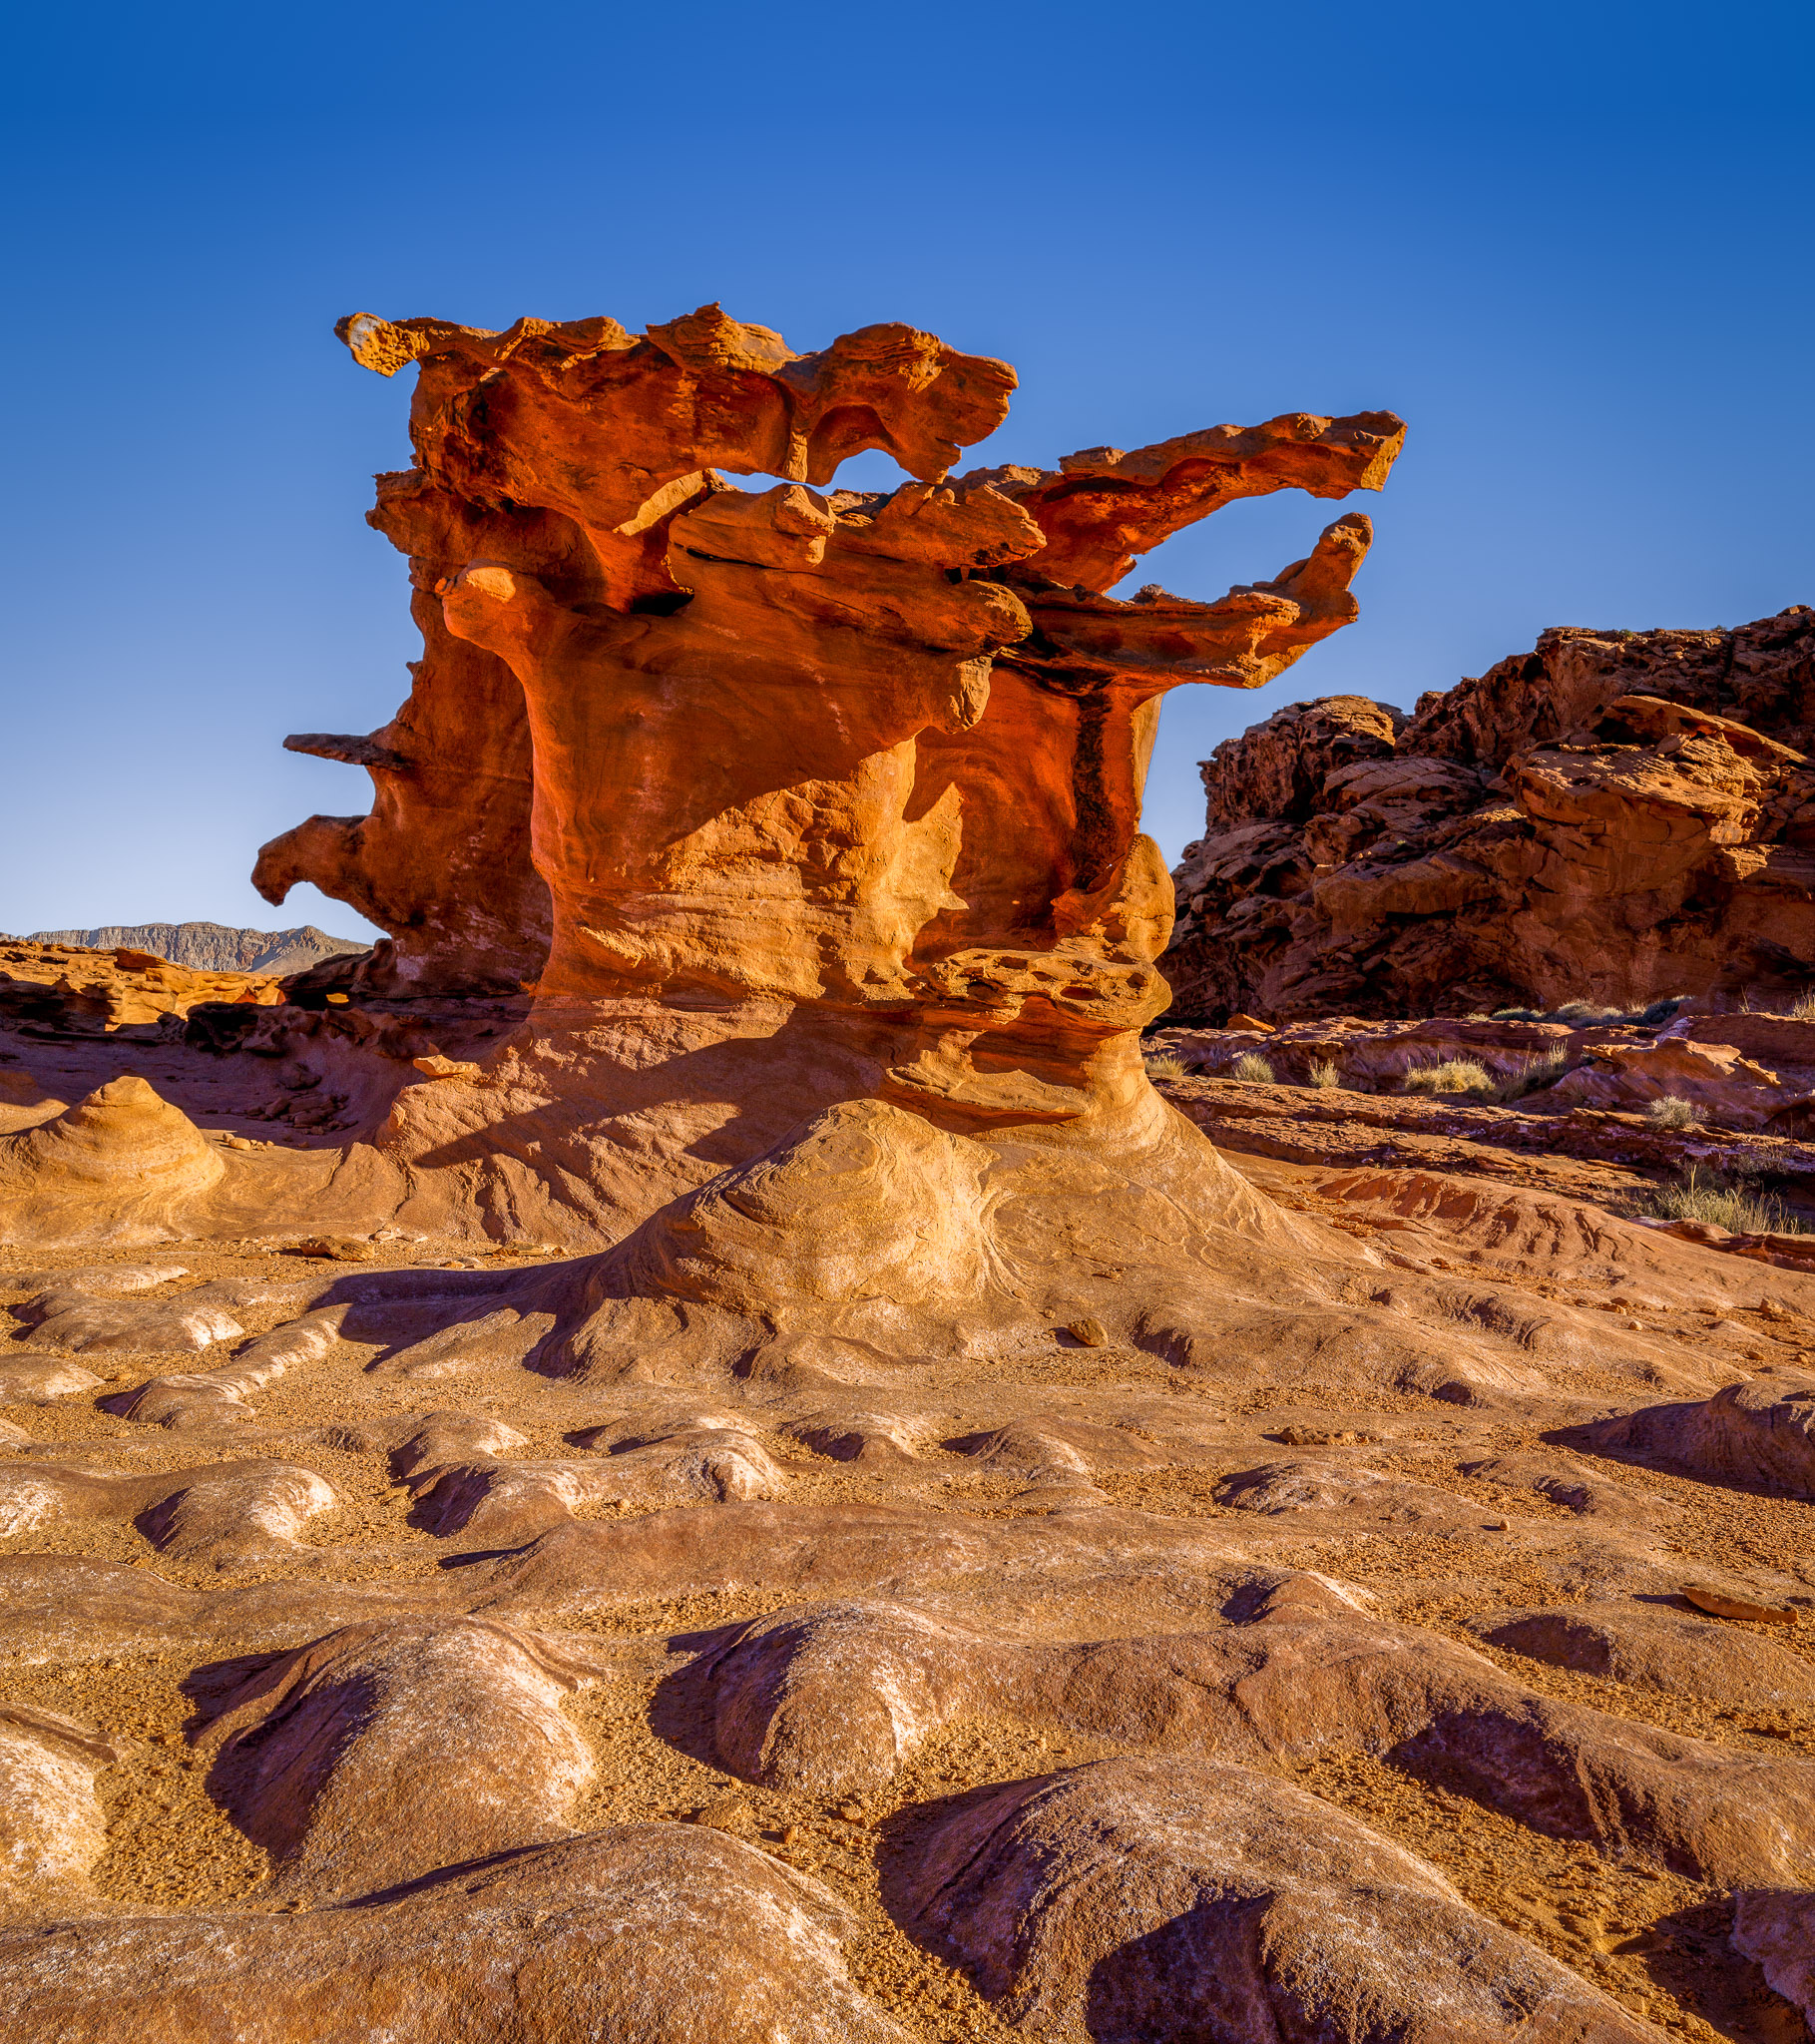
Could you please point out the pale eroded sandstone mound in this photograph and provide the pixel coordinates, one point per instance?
(1776, 1928)
(1291, 1684)
(122, 1165)
(1761, 1432)
(1132, 1900)
(1651, 1646)
(52, 1826)
(386, 1751)
(646, 1932)
(1614, 817)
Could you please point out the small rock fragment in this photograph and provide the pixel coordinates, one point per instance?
(1719, 1604)
(336, 1248)
(438, 1067)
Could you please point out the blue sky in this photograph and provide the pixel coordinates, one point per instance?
(1570, 245)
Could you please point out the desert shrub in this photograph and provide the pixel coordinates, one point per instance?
(1254, 1068)
(1662, 1011)
(1453, 1075)
(1705, 1195)
(1532, 1075)
(1670, 1111)
(1166, 1064)
(1324, 1073)
(1584, 1014)
(1592, 1014)
(1804, 1007)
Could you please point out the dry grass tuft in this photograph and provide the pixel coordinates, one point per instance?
(1703, 1197)
(1532, 1075)
(1453, 1075)
(1803, 1009)
(1671, 1111)
(1253, 1068)
(1586, 1014)
(1166, 1064)
(1324, 1073)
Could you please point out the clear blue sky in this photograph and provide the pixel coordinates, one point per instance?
(1570, 243)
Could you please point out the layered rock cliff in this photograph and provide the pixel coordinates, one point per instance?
(212, 946)
(1613, 816)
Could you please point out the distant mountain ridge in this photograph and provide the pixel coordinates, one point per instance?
(213, 946)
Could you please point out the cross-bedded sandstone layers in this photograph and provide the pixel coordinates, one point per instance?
(830, 799)
(1614, 817)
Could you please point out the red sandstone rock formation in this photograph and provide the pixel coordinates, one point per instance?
(829, 798)
(1614, 817)
(66, 987)
(878, 1594)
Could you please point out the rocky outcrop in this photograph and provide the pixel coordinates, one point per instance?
(59, 987)
(118, 1167)
(1117, 1673)
(780, 802)
(1131, 1900)
(1732, 1071)
(645, 1931)
(1615, 817)
(212, 946)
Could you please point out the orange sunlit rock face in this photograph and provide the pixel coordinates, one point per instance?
(874, 758)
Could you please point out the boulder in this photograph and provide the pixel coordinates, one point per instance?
(1760, 1433)
(660, 1932)
(1138, 1901)
(386, 1750)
